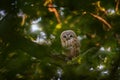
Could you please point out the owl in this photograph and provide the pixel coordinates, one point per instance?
(70, 43)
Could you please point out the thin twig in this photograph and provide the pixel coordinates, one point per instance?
(89, 50)
(117, 5)
(102, 20)
(51, 8)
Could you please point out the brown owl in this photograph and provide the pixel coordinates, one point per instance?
(70, 43)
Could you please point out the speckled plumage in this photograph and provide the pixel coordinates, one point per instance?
(70, 43)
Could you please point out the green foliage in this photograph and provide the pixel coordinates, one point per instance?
(30, 47)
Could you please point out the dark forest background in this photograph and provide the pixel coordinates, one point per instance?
(30, 47)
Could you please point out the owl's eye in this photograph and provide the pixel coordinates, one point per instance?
(64, 36)
(71, 35)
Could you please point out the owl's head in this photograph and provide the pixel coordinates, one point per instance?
(68, 35)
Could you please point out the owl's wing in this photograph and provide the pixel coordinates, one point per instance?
(63, 43)
(76, 45)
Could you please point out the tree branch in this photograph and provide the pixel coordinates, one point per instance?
(102, 20)
(117, 5)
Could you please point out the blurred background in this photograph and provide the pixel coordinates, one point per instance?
(30, 46)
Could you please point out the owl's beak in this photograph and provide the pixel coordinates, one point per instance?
(67, 38)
